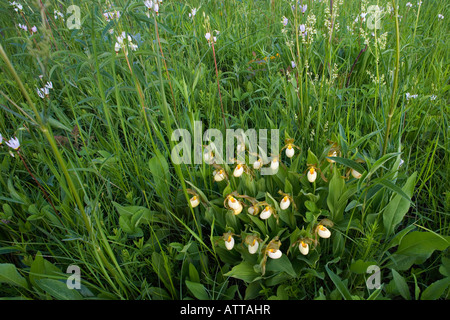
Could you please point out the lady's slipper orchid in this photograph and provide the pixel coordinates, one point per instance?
(266, 213)
(257, 164)
(323, 231)
(274, 164)
(229, 242)
(285, 203)
(356, 174)
(290, 151)
(274, 253)
(194, 201)
(253, 248)
(238, 170)
(303, 247)
(312, 175)
(253, 210)
(219, 175)
(233, 203)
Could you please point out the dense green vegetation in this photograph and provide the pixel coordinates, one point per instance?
(93, 183)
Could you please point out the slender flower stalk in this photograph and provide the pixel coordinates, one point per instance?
(218, 85)
(394, 86)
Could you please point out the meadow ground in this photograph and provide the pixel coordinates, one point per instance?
(99, 98)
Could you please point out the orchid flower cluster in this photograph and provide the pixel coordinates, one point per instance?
(241, 204)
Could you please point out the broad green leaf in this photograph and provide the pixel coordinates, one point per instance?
(281, 265)
(349, 163)
(381, 161)
(360, 266)
(193, 273)
(342, 288)
(398, 206)
(418, 243)
(311, 158)
(58, 289)
(243, 271)
(41, 268)
(401, 285)
(436, 289)
(10, 275)
(198, 290)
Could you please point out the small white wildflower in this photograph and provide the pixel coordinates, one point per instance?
(13, 143)
(49, 85)
(34, 29)
(193, 13)
(440, 16)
